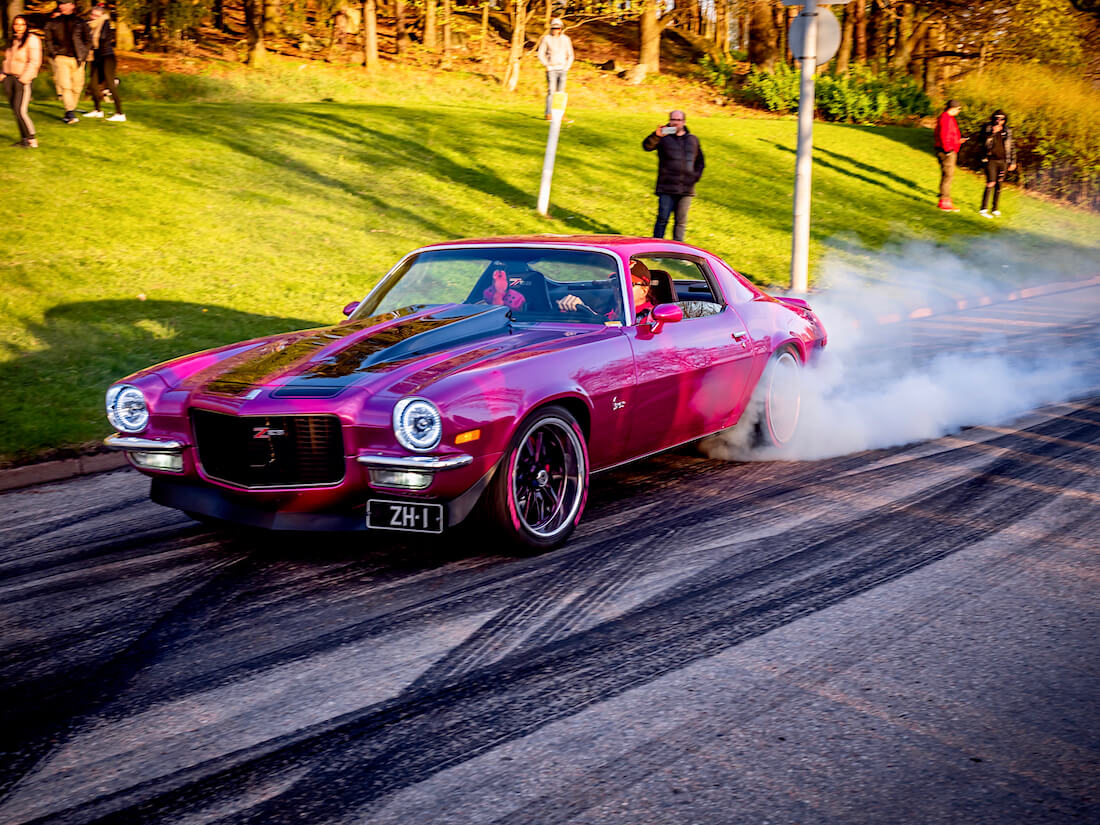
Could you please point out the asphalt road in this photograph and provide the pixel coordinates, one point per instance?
(896, 635)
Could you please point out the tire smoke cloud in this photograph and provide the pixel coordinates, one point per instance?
(931, 345)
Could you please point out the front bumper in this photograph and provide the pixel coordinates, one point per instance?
(229, 506)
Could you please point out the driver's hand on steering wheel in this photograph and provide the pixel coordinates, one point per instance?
(570, 303)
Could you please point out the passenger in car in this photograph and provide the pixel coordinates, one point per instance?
(500, 294)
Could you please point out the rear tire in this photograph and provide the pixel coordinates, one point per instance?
(537, 496)
(779, 397)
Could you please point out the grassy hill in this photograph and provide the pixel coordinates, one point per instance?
(237, 204)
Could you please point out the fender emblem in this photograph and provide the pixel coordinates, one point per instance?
(616, 404)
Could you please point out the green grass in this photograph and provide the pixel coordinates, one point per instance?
(202, 222)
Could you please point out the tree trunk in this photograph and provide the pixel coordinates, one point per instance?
(649, 55)
(859, 37)
(430, 39)
(400, 36)
(763, 46)
(12, 9)
(934, 66)
(484, 29)
(124, 36)
(903, 53)
(722, 26)
(273, 18)
(254, 28)
(370, 35)
(446, 26)
(515, 51)
(844, 51)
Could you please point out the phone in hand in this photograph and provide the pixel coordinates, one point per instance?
(668, 130)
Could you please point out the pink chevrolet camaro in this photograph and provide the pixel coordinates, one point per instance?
(434, 399)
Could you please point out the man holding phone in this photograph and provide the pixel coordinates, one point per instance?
(679, 166)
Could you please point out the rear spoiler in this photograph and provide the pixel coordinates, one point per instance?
(794, 302)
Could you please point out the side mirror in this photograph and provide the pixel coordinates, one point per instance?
(350, 308)
(665, 314)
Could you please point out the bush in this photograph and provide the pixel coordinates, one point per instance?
(775, 91)
(857, 97)
(1053, 116)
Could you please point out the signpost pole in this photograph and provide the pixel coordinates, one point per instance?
(557, 112)
(800, 243)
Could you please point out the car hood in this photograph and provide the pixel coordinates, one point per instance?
(321, 363)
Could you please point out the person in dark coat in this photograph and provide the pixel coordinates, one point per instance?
(102, 77)
(68, 43)
(679, 167)
(998, 157)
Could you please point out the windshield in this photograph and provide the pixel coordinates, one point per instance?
(537, 284)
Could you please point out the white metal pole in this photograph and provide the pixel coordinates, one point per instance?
(557, 112)
(800, 242)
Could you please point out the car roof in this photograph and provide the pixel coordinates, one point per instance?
(624, 244)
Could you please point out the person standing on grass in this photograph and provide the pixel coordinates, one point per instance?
(22, 59)
(948, 140)
(679, 167)
(102, 77)
(68, 42)
(998, 157)
(556, 55)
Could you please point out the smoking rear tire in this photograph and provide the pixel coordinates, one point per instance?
(780, 399)
(538, 493)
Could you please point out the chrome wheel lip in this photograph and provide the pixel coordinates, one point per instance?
(783, 403)
(573, 473)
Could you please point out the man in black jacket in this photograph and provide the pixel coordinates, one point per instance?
(68, 41)
(679, 166)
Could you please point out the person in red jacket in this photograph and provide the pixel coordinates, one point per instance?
(948, 141)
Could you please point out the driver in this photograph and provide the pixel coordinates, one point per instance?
(500, 294)
(640, 282)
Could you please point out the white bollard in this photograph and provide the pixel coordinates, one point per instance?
(557, 112)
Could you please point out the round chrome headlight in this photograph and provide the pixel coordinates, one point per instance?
(417, 424)
(126, 408)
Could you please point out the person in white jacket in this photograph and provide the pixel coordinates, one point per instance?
(556, 55)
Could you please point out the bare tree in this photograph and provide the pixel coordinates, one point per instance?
(254, 25)
(370, 35)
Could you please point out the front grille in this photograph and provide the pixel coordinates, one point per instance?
(269, 450)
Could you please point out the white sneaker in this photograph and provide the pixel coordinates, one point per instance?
(117, 118)
(96, 113)
(996, 213)
(985, 213)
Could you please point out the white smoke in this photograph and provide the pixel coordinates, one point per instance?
(923, 347)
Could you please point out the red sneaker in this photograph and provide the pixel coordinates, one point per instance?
(947, 206)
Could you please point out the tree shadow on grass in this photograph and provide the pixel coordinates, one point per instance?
(271, 133)
(51, 396)
(858, 175)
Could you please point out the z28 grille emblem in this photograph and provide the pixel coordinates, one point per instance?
(266, 432)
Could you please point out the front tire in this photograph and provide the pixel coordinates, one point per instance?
(537, 496)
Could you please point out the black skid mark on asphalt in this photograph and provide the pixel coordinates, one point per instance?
(29, 737)
(356, 760)
(17, 538)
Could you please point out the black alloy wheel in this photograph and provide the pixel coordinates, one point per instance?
(539, 491)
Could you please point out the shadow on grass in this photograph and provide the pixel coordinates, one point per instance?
(421, 141)
(52, 397)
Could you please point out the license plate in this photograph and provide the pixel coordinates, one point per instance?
(408, 516)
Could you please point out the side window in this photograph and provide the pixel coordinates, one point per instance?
(683, 281)
(741, 292)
